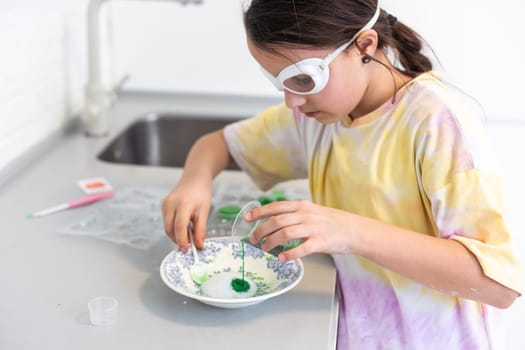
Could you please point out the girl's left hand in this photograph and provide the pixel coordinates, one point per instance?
(322, 229)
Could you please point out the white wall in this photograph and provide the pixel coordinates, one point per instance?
(479, 44)
(41, 70)
(167, 46)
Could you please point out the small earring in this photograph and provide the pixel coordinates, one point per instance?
(366, 59)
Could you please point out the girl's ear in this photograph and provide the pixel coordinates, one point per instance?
(366, 42)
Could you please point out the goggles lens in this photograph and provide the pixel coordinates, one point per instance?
(305, 77)
(302, 83)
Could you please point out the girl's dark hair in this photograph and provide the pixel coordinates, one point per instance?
(329, 23)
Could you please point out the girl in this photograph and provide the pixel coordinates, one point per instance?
(405, 194)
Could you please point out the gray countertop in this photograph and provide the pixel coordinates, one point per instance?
(48, 278)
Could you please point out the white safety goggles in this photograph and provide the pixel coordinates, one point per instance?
(310, 76)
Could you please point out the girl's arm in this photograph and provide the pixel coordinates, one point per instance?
(190, 199)
(442, 264)
(439, 263)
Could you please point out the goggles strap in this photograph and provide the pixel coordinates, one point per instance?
(328, 59)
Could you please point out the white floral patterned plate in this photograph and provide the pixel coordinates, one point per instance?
(224, 256)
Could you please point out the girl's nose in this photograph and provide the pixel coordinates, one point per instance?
(293, 100)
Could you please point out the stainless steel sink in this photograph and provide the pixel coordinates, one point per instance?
(161, 139)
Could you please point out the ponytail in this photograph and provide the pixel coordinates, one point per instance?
(409, 48)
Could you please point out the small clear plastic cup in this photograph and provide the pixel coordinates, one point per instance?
(103, 311)
(241, 228)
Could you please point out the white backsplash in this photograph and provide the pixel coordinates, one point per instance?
(37, 95)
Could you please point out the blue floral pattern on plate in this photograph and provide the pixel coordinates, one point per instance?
(224, 254)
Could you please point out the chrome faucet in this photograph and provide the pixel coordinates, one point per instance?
(98, 98)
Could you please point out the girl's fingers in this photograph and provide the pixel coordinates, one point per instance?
(180, 207)
(280, 214)
(283, 235)
(298, 252)
(181, 224)
(272, 209)
(199, 225)
(168, 216)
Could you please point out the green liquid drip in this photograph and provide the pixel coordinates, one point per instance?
(242, 245)
(240, 285)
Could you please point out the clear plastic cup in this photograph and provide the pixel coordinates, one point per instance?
(240, 228)
(103, 311)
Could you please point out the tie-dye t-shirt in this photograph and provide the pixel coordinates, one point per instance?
(422, 162)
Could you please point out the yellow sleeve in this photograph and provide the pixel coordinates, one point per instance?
(267, 147)
(475, 216)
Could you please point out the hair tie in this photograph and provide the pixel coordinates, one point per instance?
(391, 19)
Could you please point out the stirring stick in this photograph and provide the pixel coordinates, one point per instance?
(72, 204)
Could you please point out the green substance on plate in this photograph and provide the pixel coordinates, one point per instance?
(229, 211)
(240, 285)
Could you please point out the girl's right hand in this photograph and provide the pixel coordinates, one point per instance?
(188, 201)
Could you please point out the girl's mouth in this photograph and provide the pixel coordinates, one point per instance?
(312, 114)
